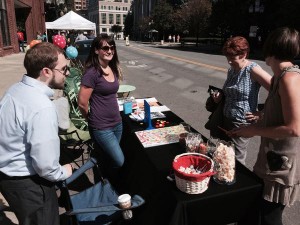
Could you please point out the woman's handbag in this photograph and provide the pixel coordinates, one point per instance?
(210, 104)
(216, 118)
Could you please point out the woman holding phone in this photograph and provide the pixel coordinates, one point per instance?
(241, 88)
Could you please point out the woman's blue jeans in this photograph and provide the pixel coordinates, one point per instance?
(109, 142)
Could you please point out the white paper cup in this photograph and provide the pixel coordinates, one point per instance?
(124, 201)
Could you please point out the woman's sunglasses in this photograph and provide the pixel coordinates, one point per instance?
(107, 48)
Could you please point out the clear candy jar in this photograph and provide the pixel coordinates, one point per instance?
(224, 159)
(192, 142)
(183, 136)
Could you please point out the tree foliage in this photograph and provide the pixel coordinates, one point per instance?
(162, 16)
(200, 11)
(281, 13)
(128, 24)
(230, 17)
(182, 16)
(116, 29)
(221, 18)
(181, 22)
(144, 26)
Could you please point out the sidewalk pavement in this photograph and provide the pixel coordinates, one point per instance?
(11, 71)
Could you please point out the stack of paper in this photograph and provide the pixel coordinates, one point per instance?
(160, 136)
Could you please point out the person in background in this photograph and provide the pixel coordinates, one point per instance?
(20, 36)
(99, 86)
(71, 37)
(39, 36)
(91, 35)
(45, 37)
(170, 38)
(279, 153)
(178, 38)
(81, 36)
(241, 89)
(29, 143)
(63, 33)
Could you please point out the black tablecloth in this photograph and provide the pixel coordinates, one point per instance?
(145, 173)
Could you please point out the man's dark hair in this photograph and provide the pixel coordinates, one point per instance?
(40, 56)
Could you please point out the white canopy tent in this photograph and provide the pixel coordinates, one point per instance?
(71, 21)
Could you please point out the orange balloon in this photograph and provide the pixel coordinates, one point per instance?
(34, 42)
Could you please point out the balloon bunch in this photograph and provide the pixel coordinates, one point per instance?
(71, 52)
(59, 41)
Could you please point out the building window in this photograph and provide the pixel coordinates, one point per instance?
(111, 18)
(4, 24)
(110, 7)
(125, 1)
(104, 30)
(124, 18)
(103, 18)
(118, 19)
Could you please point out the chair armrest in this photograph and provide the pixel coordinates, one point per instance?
(136, 201)
(106, 208)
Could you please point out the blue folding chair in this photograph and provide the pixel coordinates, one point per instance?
(97, 204)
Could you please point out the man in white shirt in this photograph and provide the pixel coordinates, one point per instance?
(81, 37)
(29, 143)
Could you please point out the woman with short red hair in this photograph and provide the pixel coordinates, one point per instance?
(241, 89)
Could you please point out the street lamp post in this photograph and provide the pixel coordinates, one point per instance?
(151, 33)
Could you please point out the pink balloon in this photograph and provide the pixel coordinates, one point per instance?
(59, 41)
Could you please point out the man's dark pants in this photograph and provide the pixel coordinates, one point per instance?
(32, 199)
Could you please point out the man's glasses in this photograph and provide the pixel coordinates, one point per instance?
(106, 48)
(64, 70)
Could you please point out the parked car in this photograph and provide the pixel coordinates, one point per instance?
(83, 48)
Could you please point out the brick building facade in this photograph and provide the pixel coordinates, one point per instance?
(29, 15)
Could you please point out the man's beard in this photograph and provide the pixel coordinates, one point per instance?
(53, 84)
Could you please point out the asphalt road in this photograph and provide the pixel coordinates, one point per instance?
(179, 78)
